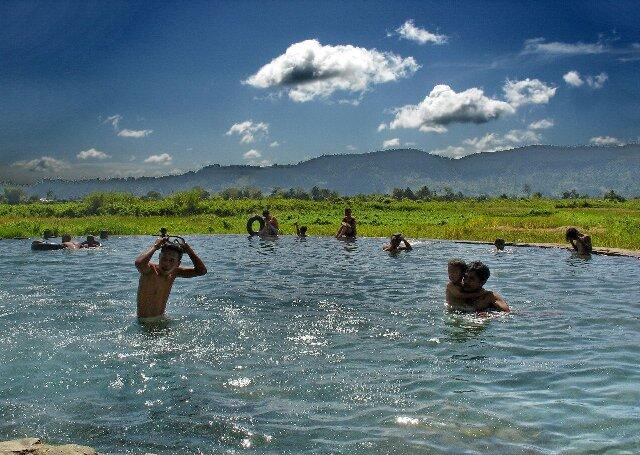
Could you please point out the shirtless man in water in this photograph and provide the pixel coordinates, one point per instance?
(348, 226)
(156, 280)
(581, 243)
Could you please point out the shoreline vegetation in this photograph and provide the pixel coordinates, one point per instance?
(612, 223)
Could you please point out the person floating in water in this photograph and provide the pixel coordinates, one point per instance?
(91, 242)
(348, 227)
(270, 228)
(499, 244)
(395, 242)
(68, 243)
(156, 280)
(580, 242)
(301, 231)
(465, 290)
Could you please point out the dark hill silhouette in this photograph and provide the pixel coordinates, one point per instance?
(548, 169)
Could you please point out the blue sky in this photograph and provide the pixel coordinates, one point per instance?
(144, 88)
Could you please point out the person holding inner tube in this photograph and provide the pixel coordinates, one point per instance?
(156, 280)
(348, 227)
(270, 228)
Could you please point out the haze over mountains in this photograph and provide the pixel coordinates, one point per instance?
(547, 169)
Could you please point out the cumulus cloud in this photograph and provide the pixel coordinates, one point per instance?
(92, 154)
(573, 78)
(274, 144)
(309, 70)
(382, 127)
(490, 142)
(42, 164)
(528, 91)
(541, 46)
(410, 32)
(395, 142)
(248, 131)
(597, 81)
(114, 120)
(134, 133)
(606, 140)
(444, 106)
(164, 159)
(542, 124)
(252, 154)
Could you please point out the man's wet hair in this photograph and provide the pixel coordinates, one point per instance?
(265, 212)
(303, 229)
(66, 238)
(480, 269)
(172, 247)
(572, 233)
(458, 263)
(499, 243)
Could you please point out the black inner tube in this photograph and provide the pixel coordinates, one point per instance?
(39, 245)
(252, 220)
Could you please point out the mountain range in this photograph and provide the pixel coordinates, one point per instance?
(550, 170)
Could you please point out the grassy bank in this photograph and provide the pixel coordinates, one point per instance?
(611, 224)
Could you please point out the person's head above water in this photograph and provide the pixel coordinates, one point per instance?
(499, 243)
(572, 233)
(66, 238)
(476, 276)
(303, 230)
(170, 256)
(456, 269)
(396, 239)
(265, 213)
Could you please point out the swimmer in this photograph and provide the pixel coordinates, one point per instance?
(91, 242)
(156, 280)
(581, 243)
(68, 243)
(394, 244)
(348, 226)
(475, 277)
(499, 244)
(270, 228)
(457, 298)
(301, 231)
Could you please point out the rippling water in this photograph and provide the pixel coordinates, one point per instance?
(319, 346)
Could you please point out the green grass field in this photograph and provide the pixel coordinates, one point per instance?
(611, 224)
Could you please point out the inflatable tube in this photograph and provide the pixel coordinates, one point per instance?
(252, 220)
(39, 245)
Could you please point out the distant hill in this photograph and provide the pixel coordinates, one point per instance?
(547, 169)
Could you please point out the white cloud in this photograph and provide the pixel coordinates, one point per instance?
(42, 164)
(382, 127)
(92, 153)
(540, 46)
(606, 140)
(351, 148)
(490, 142)
(309, 70)
(134, 133)
(444, 106)
(163, 158)
(274, 144)
(542, 124)
(395, 142)
(410, 32)
(114, 120)
(573, 78)
(528, 91)
(252, 154)
(597, 81)
(249, 131)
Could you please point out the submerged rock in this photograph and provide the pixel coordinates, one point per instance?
(34, 446)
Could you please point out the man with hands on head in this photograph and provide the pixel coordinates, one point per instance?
(156, 280)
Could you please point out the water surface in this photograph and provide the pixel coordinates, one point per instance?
(319, 346)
